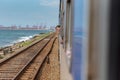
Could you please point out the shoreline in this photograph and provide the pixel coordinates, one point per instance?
(8, 50)
(9, 37)
(25, 29)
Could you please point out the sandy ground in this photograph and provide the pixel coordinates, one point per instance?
(51, 69)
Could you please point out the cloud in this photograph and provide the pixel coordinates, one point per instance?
(50, 3)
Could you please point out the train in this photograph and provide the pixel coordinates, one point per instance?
(90, 31)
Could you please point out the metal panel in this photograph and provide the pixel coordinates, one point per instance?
(80, 39)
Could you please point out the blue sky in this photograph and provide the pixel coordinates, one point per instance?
(31, 12)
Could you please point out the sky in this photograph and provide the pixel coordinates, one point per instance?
(29, 12)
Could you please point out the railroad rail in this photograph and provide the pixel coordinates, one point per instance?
(26, 64)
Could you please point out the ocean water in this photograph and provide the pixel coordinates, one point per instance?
(9, 37)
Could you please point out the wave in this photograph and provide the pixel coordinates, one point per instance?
(22, 39)
(10, 37)
(6, 45)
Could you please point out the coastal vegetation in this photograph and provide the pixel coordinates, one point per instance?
(30, 41)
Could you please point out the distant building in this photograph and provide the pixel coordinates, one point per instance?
(27, 27)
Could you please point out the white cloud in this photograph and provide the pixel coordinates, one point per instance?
(51, 3)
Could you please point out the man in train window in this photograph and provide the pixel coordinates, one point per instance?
(58, 30)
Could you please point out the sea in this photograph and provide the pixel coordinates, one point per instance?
(9, 37)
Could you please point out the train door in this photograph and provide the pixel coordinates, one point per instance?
(98, 40)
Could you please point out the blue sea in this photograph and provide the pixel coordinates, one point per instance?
(9, 37)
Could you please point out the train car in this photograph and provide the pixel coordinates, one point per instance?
(90, 33)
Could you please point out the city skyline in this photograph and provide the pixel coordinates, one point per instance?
(27, 27)
(31, 12)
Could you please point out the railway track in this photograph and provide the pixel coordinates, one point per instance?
(26, 64)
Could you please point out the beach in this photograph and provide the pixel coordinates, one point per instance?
(16, 47)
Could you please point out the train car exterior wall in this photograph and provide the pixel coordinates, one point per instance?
(75, 40)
